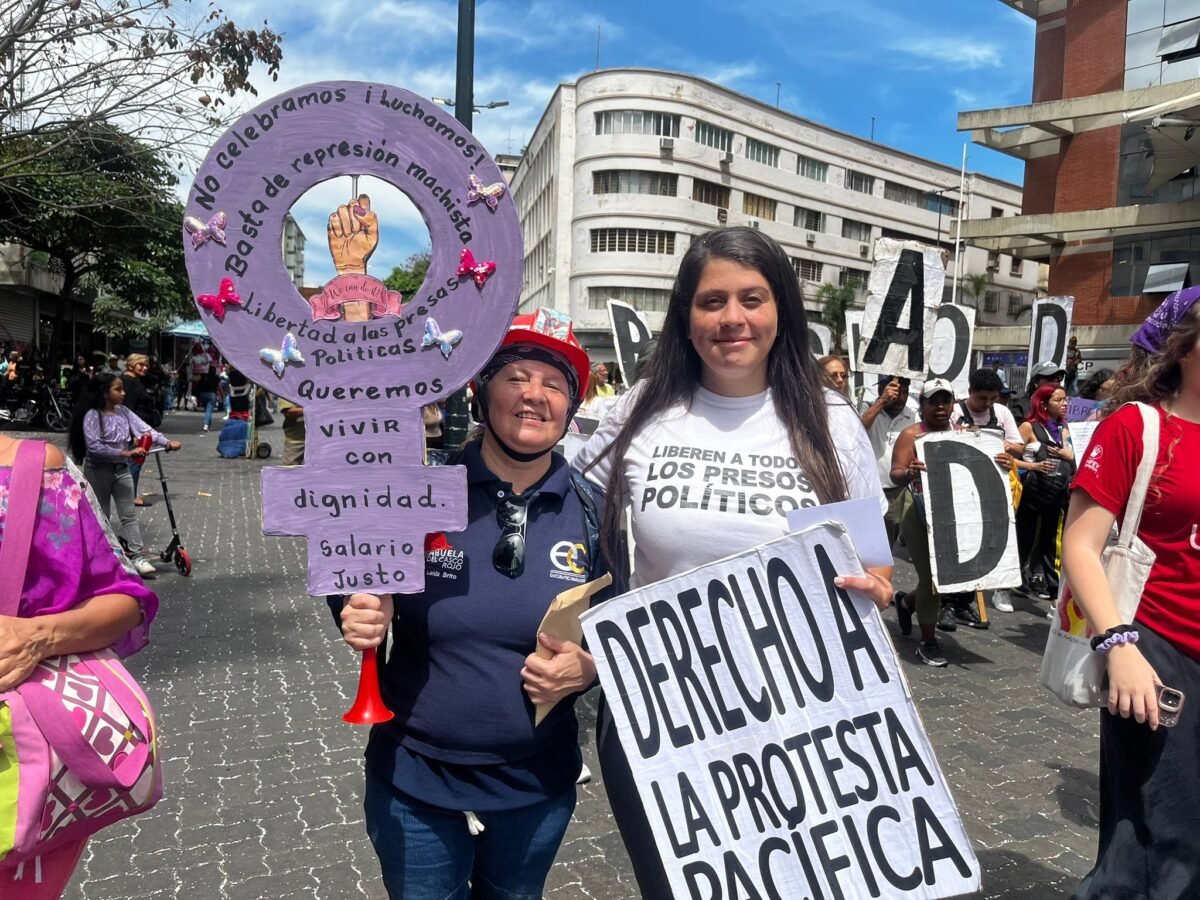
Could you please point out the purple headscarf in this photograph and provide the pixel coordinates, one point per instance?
(1152, 336)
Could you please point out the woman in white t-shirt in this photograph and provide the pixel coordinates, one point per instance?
(732, 425)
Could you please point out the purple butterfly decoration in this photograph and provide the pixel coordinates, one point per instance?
(216, 303)
(212, 230)
(490, 193)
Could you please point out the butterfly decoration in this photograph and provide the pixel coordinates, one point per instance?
(445, 341)
(212, 230)
(480, 272)
(216, 303)
(289, 352)
(490, 193)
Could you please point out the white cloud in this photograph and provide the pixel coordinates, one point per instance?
(944, 50)
(730, 74)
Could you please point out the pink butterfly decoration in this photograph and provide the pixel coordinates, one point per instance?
(212, 230)
(490, 193)
(480, 272)
(226, 296)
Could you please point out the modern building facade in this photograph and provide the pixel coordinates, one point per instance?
(1112, 186)
(626, 166)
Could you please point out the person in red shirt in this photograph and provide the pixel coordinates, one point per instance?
(1149, 778)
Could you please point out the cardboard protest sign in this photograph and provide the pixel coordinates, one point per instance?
(903, 295)
(631, 336)
(562, 621)
(359, 358)
(820, 339)
(1081, 438)
(1050, 331)
(950, 356)
(1079, 409)
(968, 512)
(863, 387)
(773, 740)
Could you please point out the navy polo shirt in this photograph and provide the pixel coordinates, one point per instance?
(463, 734)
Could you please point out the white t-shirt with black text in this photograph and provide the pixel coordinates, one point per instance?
(719, 478)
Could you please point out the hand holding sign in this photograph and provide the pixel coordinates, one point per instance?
(365, 619)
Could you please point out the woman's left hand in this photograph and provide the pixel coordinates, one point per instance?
(874, 585)
(174, 445)
(22, 647)
(569, 671)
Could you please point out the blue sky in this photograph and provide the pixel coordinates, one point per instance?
(912, 65)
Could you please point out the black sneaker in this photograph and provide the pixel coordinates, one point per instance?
(931, 654)
(904, 611)
(967, 614)
(946, 619)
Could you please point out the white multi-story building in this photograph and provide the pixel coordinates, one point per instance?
(627, 165)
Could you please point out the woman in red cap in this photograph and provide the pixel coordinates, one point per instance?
(465, 796)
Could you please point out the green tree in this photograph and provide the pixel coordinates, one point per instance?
(976, 287)
(160, 71)
(101, 208)
(835, 300)
(407, 278)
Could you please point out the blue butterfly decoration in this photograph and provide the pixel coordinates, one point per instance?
(46, 508)
(445, 341)
(58, 538)
(289, 352)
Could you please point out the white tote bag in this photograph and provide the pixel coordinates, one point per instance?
(1071, 670)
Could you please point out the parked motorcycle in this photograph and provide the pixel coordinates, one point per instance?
(39, 405)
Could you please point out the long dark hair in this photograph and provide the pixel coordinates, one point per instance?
(673, 371)
(97, 391)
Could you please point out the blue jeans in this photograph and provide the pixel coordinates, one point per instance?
(428, 853)
(208, 400)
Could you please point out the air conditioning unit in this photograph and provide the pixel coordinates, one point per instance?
(753, 223)
(666, 145)
(727, 157)
(864, 250)
(722, 215)
(810, 238)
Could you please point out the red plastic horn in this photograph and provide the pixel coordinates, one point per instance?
(368, 707)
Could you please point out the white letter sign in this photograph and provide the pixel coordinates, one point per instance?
(771, 735)
(902, 300)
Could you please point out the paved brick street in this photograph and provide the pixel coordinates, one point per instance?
(263, 780)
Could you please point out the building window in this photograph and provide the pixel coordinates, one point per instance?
(762, 153)
(856, 277)
(991, 301)
(710, 193)
(812, 168)
(644, 299)
(1014, 267)
(1016, 305)
(759, 207)
(712, 136)
(997, 212)
(856, 231)
(807, 269)
(632, 240)
(902, 193)
(859, 181)
(810, 219)
(941, 203)
(1179, 41)
(993, 261)
(633, 181)
(637, 121)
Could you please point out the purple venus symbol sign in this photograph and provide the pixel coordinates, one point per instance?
(359, 358)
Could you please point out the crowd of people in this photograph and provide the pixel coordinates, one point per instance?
(465, 796)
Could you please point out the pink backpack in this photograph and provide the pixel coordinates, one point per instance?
(78, 741)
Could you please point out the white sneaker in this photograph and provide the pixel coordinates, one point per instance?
(1002, 601)
(144, 566)
(205, 428)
